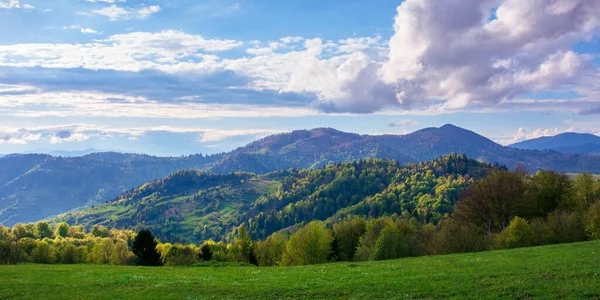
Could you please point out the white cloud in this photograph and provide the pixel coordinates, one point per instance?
(523, 134)
(115, 12)
(403, 123)
(451, 51)
(15, 4)
(216, 135)
(88, 30)
(81, 29)
(443, 57)
(168, 51)
(95, 104)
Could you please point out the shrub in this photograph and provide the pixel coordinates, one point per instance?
(517, 234)
(310, 245)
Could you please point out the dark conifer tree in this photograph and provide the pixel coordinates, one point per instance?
(144, 248)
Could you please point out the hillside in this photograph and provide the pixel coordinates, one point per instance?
(549, 272)
(34, 186)
(570, 142)
(191, 206)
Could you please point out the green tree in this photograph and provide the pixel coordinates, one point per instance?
(459, 237)
(491, 203)
(550, 190)
(270, 251)
(592, 227)
(62, 230)
(43, 253)
(348, 235)
(243, 247)
(586, 190)
(43, 230)
(517, 234)
(309, 245)
(144, 249)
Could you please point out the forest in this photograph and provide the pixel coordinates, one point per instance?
(191, 206)
(503, 210)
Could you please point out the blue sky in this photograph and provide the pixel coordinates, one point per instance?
(180, 77)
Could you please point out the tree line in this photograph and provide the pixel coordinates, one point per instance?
(500, 211)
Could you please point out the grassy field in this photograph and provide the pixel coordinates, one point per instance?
(559, 271)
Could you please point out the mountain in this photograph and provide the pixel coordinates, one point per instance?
(34, 187)
(570, 142)
(74, 153)
(190, 206)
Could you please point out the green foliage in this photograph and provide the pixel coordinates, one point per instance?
(457, 237)
(270, 251)
(564, 271)
(242, 247)
(347, 235)
(587, 190)
(144, 249)
(43, 230)
(592, 227)
(309, 245)
(192, 206)
(517, 234)
(62, 230)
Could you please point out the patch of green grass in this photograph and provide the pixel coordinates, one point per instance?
(558, 271)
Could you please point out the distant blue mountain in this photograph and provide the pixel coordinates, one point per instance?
(66, 153)
(570, 143)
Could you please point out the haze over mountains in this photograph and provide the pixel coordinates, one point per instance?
(34, 187)
(569, 142)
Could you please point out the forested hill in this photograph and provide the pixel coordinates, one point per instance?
(191, 206)
(34, 186)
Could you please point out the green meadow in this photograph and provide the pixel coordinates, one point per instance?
(549, 272)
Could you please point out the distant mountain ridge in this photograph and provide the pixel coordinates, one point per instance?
(569, 142)
(35, 186)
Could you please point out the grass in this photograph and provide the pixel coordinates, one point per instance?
(550, 272)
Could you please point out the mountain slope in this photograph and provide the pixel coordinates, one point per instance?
(33, 187)
(569, 142)
(190, 206)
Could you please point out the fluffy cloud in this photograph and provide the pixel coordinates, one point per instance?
(443, 57)
(168, 51)
(15, 4)
(523, 134)
(96, 104)
(81, 29)
(115, 12)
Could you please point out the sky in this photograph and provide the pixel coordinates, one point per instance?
(205, 76)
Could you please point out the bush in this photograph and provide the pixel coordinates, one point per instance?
(517, 234)
(457, 237)
(310, 245)
(270, 251)
(592, 226)
(567, 227)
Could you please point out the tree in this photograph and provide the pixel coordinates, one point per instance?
(144, 249)
(309, 245)
(592, 227)
(243, 247)
(550, 190)
(517, 234)
(491, 203)
(348, 235)
(270, 251)
(586, 190)
(62, 230)
(43, 230)
(458, 237)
